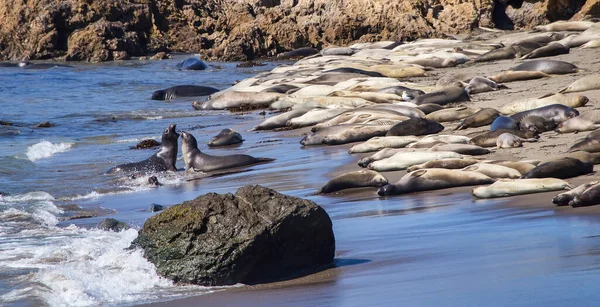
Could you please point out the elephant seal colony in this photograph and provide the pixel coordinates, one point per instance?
(434, 114)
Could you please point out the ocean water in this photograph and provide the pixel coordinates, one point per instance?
(423, 249)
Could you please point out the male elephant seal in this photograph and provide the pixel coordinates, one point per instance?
(433, 179)
(183, 91)
(565, 198)
(358, 179)
(587, 83)
(553, 112)
(450, 163)
(589, 197)
(552, 67)
(504, 122)
(162, 161)
(192, 64)
(551, 49)
(488, 139)
(415, 126)
(562, 169)
(226, 137)
(444, 96)
(196, 160)
(494, 170)
(512, 187)
(508, 140)
(537, 124)
(591, 143)
(483, 117)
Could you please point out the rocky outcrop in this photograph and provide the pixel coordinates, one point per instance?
(246, 29)
(255, 235)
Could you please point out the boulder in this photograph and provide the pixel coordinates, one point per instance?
(255, 235)
(111, 224)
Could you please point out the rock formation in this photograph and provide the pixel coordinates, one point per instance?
(256, 235)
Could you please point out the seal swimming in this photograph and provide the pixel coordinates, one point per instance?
(198, 161)
(183, 91)
(163, 160)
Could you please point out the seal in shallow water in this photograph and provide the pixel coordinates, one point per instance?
(358, 179)
(192, 64)
(183, 91)
(226, 137)
(162, 161)
(196, 160)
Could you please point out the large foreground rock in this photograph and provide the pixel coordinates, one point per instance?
(254, 236)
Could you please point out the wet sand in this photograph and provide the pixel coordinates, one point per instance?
(440, 247)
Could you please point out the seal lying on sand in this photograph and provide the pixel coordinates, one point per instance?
(565, 198)
(511, 187)
(183, 91)
(434, 179)
(198, 161)
(358, 179)
(562, 169)
(162, 161)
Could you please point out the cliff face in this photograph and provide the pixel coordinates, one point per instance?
(245, 29)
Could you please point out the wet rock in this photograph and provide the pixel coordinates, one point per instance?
(255, 235)
(112, 224)
(153, 181)
(161, 56)
(155, 208)
(149, 143)
(44, 125)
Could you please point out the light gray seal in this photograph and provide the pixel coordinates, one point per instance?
(488, 139)
(199, 161)
(358, 179)
(434, 179)
(226, 137)
(162, 161)
(547, 66)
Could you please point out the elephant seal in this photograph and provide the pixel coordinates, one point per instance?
(511, 76)
(494, 170)
(339, 51)
(565, 198)
(382, 154)
(415, 126)
(504, 122)
(488, 139)
(343, 134)
(589, 197)
(508, 140)
(553, 112)
(536, 124)
(482, 85)
(552, 67)
(407, 93)
(591, 143)
(378, 143)
(162, 161)
(358, 179)
(281, 89)
(297, 53)
(429, 108)
(234, 99)
(444, 96)
(588, 83)
(314, 116)
(192, 64)
(29, 65)
(562, 169)
(576, 124)
(545, 100)
(483, 117)
(562, 25)
(433, 179)
(434, 62)
(198, 161)
(450, 80)
(450, 163)
(352, 70)
(432, 140)
(451, 114)
(183, 91)
(521, 167)
(404, 160)
(512, 187)
(498, 54)
(551, 49)
(280, 120)
(226, 137)
(463, 149)
(583, 156)
(595, 43)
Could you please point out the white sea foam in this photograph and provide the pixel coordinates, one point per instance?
(32, 208)
(46, 149)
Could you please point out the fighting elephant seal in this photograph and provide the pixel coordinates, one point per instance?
(198, 161)
(444, 96)
(192, 64)
(552, 67)
(415, 126)
(483, 117)
(358, 179)
(183, 91)
(587, 83)
(162, 161)
(433, 179)
(562, 169)
(512, 187)
(565, 198)
(226, 137)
